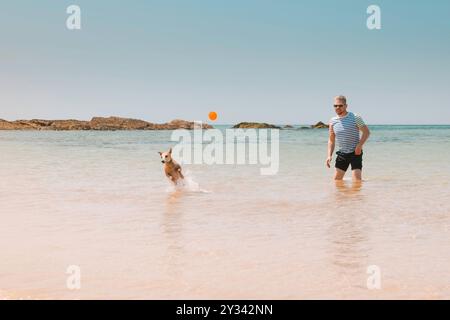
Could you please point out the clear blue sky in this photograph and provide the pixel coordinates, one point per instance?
(249, 60)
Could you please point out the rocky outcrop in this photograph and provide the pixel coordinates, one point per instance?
(259, 125)
(320, 125)
(69, 125)
(180, 124)
(254, 125)
(6, 125)
(116, 123)
(97, 123)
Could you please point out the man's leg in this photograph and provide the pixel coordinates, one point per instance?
(341, 165)
(357, 167)
(339, 174)
(356, 174)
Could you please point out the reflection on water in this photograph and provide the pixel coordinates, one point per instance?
(172, 232)
(349, 190)
(348, 234)
(347, 186)
(349, 195)
(173, 201)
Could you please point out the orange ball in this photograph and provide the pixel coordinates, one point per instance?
(212, 116)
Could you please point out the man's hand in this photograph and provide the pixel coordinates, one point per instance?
(328, 162)
(358, 150)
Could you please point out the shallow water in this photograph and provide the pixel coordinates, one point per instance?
(100, 201)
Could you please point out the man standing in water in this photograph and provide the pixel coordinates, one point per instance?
(345, 128)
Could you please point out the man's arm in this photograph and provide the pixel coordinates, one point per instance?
(365, 135)
(331, 144)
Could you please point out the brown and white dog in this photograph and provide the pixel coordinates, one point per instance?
(171, 168)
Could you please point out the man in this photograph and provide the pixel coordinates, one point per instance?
(345, 128)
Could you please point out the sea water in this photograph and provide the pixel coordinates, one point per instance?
(100, 201)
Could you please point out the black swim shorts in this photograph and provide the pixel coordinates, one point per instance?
(343, 160)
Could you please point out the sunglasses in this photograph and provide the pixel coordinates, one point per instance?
(338, 105)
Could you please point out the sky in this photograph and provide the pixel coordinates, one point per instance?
(279, 61)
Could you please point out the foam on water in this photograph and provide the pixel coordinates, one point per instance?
(188, 184)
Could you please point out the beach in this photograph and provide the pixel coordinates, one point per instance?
(100, 201)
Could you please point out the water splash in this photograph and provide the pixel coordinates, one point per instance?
(188, 184)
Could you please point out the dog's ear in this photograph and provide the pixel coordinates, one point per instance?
(170, 151)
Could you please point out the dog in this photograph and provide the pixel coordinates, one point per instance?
(171, 168)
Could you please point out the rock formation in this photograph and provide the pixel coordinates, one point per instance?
(254, 125)
(320, 125)
(97, 123)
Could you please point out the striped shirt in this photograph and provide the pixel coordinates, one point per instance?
(346, 130)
